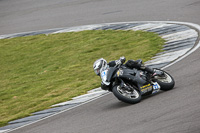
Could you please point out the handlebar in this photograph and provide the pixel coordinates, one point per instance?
(120, 62)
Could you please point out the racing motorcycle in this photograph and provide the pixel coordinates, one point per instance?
(130, 84)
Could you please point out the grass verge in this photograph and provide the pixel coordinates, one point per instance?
(38, 71)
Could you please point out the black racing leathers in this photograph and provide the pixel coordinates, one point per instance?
(134, 64)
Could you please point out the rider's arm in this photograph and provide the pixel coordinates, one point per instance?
(117, 62)
(112, 63)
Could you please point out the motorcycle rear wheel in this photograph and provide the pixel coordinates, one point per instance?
(167, 82)
(131, 97)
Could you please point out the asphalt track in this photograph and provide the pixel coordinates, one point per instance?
(175, 111)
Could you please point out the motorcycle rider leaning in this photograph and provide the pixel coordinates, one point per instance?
(101, 65)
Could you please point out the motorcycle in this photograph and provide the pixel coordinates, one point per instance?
(130, 84)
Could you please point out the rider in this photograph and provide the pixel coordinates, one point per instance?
(101, 64)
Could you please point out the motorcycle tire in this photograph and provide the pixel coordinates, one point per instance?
(167, 83)
(125, 96)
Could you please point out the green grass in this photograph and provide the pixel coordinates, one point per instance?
(38, 71)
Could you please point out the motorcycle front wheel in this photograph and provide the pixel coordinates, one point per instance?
(126, 96)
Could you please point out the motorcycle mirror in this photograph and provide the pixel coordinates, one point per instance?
(123, 59)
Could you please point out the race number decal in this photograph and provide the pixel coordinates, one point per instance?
(156, 88)
(104, 75)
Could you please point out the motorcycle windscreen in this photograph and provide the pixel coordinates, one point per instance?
(111, 72)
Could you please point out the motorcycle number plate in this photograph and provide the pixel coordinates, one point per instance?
(156, 88)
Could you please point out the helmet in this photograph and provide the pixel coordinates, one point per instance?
(99, 65)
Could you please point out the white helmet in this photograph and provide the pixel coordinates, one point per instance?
(99, 65)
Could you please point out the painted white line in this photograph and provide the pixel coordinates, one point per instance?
(90, 95)
(82, 98)
(180, 35)
(160, 26)
(177, 53)
(168, 57)
(149, 26)
(2, 131)
(95, 90)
